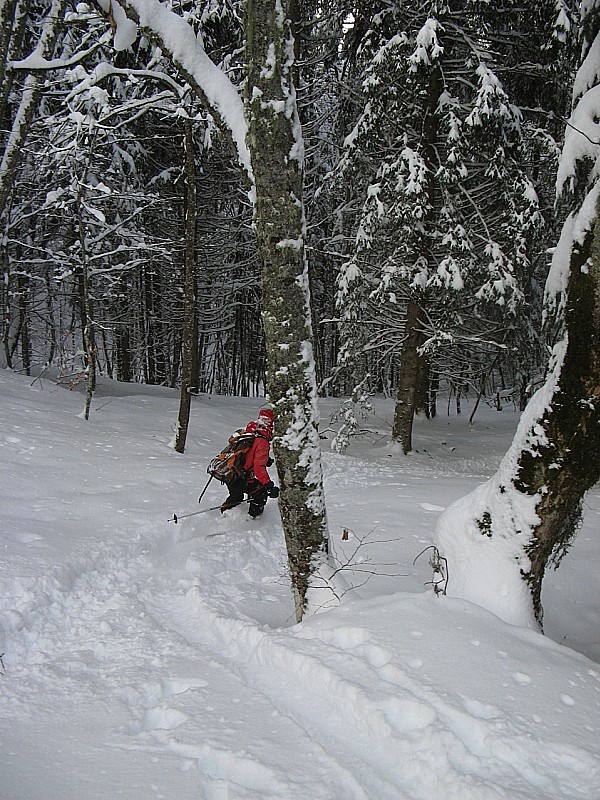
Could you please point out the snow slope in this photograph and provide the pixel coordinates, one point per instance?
(145, 659)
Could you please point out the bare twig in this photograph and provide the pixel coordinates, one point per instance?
(365, 566)
(439, 565)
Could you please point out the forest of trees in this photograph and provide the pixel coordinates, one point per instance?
(431, 132)
(377, 214)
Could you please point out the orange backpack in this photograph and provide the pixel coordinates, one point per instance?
(229, 464)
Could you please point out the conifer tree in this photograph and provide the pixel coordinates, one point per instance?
(449, 213)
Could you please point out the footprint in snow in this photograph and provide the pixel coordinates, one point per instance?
(431, 507)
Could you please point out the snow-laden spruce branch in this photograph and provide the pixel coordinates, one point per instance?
(35, 62)
(177, 40)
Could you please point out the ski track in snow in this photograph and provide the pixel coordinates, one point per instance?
(410, 727)
(55, 638)
(67, 635)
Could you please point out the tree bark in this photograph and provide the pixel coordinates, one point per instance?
(22, 301)
(411, 365)
(276, 151)
(189, 302)
(562, 468)
(86, 307)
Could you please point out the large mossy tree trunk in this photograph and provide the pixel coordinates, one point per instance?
(564, 463)
(276, 152)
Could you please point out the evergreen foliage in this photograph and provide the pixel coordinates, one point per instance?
(439, 124)
(450, 217)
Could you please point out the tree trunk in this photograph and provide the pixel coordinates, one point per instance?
(189, 302)
(411, 366)
(85, 297)
(274, 142)
(13, 21)
(123, 354)
(7, 20)
(423, 387)
(22, 295)
(562, 468)
(276, 152)
(195, 371)
(88, 332)
(51, 325)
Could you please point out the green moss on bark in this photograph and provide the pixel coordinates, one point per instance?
(567, 465)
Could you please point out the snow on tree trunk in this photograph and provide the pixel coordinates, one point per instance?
(499, 540)
(276, 149)
(561, 469)
(269, 144)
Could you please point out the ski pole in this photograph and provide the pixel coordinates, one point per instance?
(205, 488)
(175, 518)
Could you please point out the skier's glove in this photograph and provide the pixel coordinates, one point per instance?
(270, 462)
(273, 490)
(261, 493)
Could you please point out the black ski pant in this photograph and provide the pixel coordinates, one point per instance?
(237, 490)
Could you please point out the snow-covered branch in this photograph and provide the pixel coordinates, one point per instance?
(178, 41)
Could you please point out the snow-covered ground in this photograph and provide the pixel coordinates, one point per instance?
(144, 659)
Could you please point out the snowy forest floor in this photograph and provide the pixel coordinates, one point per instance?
(148, 660)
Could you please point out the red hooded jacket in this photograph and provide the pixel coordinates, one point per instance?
(258, 455)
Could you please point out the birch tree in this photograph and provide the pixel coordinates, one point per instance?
(500, 539)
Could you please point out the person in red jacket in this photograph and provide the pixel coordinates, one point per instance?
(258, 486)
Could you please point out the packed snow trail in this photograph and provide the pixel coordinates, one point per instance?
(392, 721)
(86, 633)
